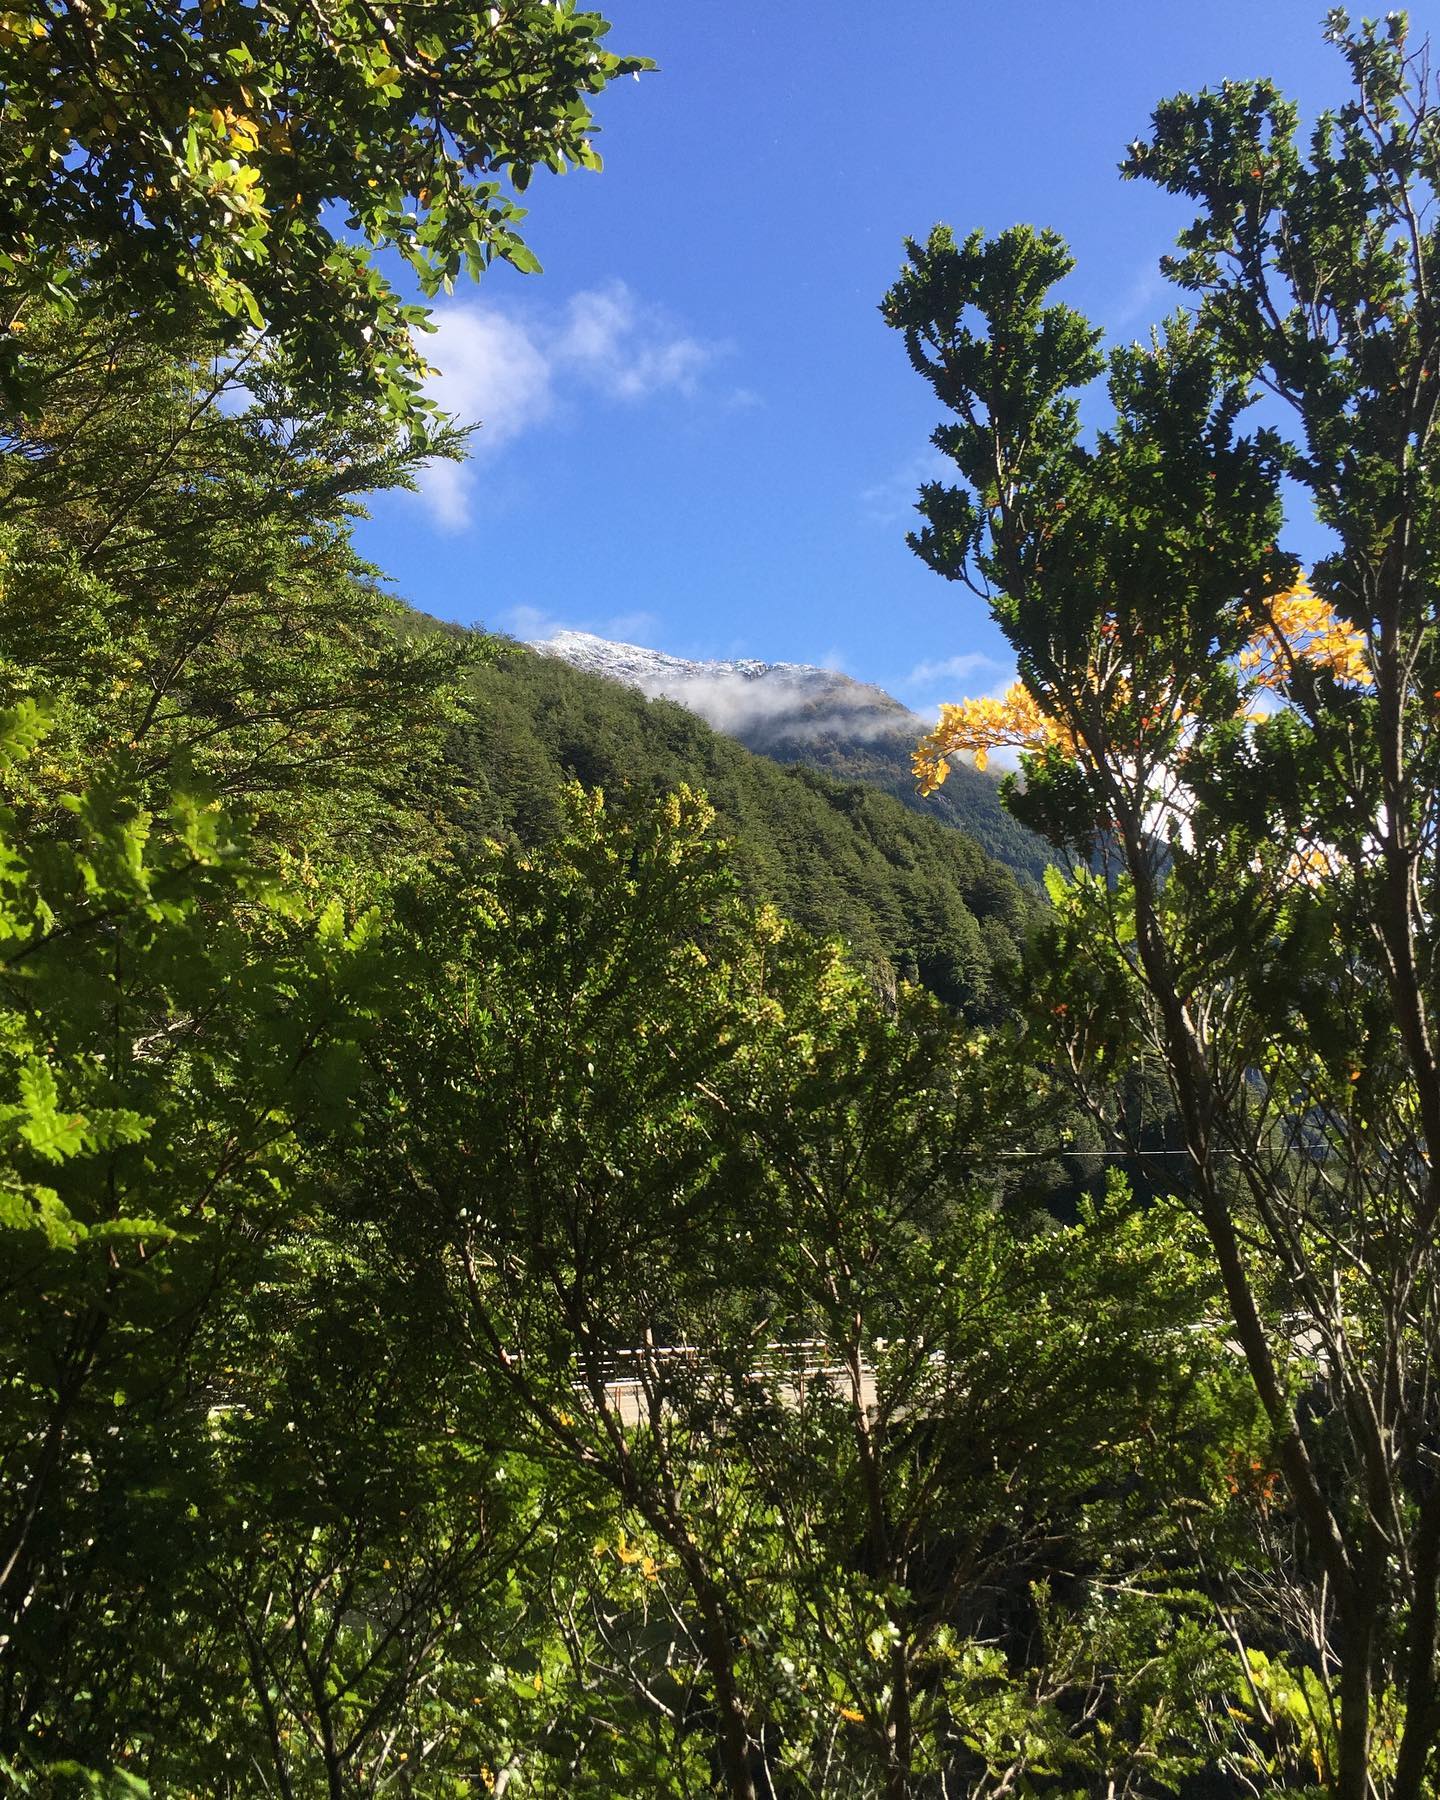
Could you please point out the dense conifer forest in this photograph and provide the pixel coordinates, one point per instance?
(547, 1255)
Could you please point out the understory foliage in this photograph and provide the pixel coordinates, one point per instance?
(492, 1305)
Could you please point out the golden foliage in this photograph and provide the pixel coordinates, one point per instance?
(1299, 627)
(980, 726)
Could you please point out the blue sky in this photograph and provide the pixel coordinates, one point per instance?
(697, 433)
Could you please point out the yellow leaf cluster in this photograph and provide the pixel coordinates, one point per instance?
(1312, 865)
(629, 1556)
(243, 134)
(1299, 627)
(977, 727)
(20, 28)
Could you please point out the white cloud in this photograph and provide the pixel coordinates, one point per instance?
(528, 623)
(1148, 297)
(950, 669)
(625, 349)
(491, 371)
(507, 373)
(532, 625)
(632, 628)
(445, 487)
(741, 705)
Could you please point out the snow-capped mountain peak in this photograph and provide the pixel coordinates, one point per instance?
(749, 699)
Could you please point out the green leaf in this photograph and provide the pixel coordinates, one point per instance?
(47, 1131)
(22, 727)
(520, 256)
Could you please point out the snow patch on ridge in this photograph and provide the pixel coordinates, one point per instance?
(743, 697)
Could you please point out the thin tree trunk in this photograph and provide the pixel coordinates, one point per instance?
(1357, 1655)
(1357, 1598)
(1422, 1702)
(732, 1733)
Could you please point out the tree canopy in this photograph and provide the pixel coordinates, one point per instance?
(522, 1278)
(241, 162)
(1252, 903)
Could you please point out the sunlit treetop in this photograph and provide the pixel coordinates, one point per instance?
(1298, 628)
(976, 727)
(244, 160)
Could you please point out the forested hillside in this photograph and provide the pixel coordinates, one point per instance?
(821, 719)
(911, 899)
(969, 803)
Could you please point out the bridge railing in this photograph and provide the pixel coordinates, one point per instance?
(631, 1378)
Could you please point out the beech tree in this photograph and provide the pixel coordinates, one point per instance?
(728, 1252)
(1252, 898)
(242, 161)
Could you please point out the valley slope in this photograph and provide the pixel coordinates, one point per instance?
(912, 898)
(798, 713)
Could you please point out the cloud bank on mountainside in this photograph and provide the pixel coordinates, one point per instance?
(744, 698)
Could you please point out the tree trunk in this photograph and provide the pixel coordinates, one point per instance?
(1422, 1703)
(1353, 1780)
(732, 1731)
